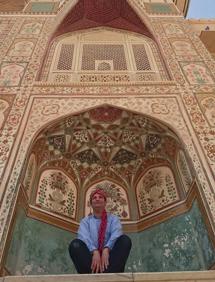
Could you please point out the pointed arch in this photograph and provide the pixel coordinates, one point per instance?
(94, 147)
(116, 14)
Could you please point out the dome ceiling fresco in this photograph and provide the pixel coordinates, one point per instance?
(106, 142)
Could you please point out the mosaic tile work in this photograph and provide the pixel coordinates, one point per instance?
(179, 244)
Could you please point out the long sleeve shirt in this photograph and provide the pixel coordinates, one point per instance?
(88, 231)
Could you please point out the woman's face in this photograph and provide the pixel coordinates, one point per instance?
(98, 201)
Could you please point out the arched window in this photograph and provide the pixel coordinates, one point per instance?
(103, 54)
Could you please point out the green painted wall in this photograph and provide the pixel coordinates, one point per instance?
(178, 244)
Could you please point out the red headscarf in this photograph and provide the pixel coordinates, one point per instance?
(103, 224)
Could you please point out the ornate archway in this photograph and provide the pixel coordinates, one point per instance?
(131, 154)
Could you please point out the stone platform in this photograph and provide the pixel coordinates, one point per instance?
(197, 276)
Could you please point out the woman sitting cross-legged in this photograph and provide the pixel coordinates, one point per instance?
(101, 246)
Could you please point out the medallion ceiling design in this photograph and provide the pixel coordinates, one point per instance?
(106, 142)
(94, 13)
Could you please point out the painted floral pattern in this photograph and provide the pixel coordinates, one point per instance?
(57, 193)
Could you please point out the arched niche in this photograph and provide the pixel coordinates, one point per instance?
(56, 193)
(117, 199)
(111, 147)
(156, 190)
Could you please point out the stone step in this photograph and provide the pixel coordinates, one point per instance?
(190, 276)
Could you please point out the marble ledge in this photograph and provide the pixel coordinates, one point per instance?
(118, 277)
(190, 276)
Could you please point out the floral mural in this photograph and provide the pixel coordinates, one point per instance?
(22, 48)
(197, 73)
(155, 190)
(11, 74)
(57, 193)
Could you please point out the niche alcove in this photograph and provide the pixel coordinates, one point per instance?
(141, 164)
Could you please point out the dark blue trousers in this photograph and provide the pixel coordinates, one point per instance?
(82, 257)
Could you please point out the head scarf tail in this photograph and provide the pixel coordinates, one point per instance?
(102, 230)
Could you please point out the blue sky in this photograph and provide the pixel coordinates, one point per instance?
(201, 9)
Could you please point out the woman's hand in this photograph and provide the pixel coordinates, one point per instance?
(105, 259)
(96, 262)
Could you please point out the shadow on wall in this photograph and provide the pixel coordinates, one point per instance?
(179, 244)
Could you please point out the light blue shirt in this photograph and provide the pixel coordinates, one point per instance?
(88, 231)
